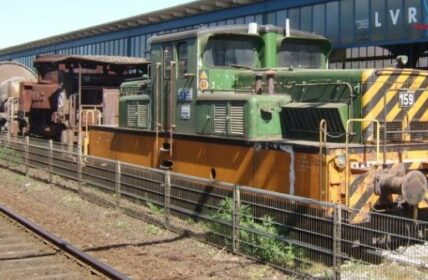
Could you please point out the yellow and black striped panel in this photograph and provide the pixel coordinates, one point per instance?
(380, 100)
(362, 191)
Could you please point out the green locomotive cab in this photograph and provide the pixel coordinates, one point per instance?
(195, 86)
(231, 82)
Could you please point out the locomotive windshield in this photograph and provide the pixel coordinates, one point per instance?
(230, 52)
(300, 55)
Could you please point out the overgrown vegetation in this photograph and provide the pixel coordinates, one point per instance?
(154, 208)
(153, 229)
(255, 236)
(118, 223)
(10, 156)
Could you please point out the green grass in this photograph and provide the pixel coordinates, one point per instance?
(154, 208)
(258, 245)
(153, 230)
(10, 156)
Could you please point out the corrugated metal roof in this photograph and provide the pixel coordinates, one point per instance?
(99, 59)
(185, 10)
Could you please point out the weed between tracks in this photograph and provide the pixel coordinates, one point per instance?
(72, 201)
(10, 156)
(119, 224)
(154, 208)
(258, 273)
(153, 230)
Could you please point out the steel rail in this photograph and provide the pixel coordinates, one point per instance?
(98, 266)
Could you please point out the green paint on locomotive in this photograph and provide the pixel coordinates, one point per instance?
(135, 104)
(241, 116)
(333, 95)
(220, 86)
(205, 96)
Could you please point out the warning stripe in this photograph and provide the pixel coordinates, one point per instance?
(362, 189)
(424, 117)
(395, 113)
(382, 89)
(374, 89)
(385, 88)
(420, 101)
(377, 110)
(366, 75)
(424, 110)
(373, 98)
(418, 107)
(413, 166)
(368, 195)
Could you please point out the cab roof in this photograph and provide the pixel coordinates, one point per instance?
(231, 29)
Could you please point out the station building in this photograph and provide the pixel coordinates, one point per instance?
(364, 33)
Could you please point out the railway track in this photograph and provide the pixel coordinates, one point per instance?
(29, 252)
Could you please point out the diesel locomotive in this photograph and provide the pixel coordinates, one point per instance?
(257, 105)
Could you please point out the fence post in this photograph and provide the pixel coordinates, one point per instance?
(79, 169)
(337, 242)
(236, 219)
(7, 151)
(167, 197)
(118, 179)
(27, 154)
(50, 160)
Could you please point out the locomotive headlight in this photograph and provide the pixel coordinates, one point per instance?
(340, 160)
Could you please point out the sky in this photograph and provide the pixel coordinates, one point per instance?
(23, 21)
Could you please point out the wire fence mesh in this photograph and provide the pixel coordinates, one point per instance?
(308, 238)
(142, 185)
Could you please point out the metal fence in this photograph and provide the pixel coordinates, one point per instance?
(307, 238)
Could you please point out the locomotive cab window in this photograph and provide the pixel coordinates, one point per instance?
(299, 54)
(182, 59)
(226, 51)
(168, 56)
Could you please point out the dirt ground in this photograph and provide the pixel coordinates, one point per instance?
(133, 247)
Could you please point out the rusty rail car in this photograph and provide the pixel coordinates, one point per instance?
(70, 93)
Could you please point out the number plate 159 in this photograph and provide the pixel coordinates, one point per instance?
(406, 98)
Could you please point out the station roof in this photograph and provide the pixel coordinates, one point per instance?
(96, 59)
(180, 11)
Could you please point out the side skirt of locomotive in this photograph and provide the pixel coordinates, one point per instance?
(291, 167)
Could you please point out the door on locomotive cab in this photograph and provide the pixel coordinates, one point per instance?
(166, 99)
(185, 91)
(178, 86)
